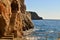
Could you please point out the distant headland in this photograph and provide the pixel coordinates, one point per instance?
(34, 16)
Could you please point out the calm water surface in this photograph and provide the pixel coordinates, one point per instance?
(46, 29)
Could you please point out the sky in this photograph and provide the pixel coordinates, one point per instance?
(48, 9)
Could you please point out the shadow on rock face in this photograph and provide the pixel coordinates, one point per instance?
(14, 6)
(27, 25)
(2, 26)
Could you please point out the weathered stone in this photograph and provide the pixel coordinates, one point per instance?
(27, 23)
(4, 17)
(14, 18)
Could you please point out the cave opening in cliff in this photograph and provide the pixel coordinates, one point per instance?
(14, 6)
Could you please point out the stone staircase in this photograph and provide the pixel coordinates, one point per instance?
(7, 37)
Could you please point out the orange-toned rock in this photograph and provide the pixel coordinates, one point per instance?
(14, 18)
(2, 20)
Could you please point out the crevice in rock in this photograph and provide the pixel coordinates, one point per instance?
(14, 9)
(14, 6)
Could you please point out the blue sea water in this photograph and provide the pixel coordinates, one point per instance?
(46, 29)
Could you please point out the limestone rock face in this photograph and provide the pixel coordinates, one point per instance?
(14, 18)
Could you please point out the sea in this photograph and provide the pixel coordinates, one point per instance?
(47, 29)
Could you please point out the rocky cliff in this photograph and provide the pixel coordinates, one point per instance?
(14, 18)
(34, 16)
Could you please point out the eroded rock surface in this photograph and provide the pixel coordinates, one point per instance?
(14, 18)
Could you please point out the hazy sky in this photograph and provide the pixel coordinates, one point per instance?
(48, 9)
